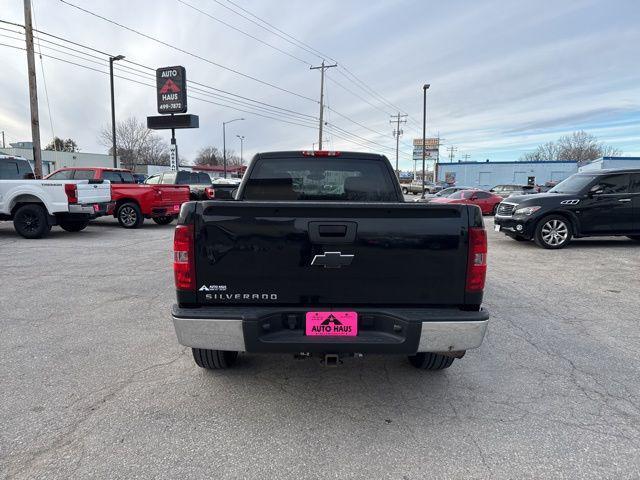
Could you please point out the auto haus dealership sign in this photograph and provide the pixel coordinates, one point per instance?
(171, 87)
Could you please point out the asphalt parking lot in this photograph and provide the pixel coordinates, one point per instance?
(94, 383)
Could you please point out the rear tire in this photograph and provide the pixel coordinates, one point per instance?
(163, 220)
(129, 215)
(73, 225)
(405, 191)
(214, 359)
(30, 221)
(553, 232)
(430, 361)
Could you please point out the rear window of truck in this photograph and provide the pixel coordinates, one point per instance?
(340, 179)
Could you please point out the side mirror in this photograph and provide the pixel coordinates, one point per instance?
(492, 190)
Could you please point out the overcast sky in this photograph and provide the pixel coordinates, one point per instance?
(505, 76)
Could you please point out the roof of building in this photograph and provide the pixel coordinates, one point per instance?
(217, 168)
(535, 163)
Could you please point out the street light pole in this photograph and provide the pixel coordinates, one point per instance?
(241, 137)
(113, 110)
(424, 133)
(224, 143)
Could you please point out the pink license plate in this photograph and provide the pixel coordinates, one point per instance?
(332, 324)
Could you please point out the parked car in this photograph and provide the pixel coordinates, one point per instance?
(606, 202)
(293, 267)
(133, 202)
(36, 205)
(546, 187)
(445, 192)
(196, 181)
(416, 187)
(488, 202)
(223, 188)
(512, 189)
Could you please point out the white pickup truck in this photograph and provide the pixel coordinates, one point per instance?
(36, 205)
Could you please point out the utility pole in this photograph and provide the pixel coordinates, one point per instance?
(224, 143)
(398, 119)
(33, 90)
(3, 139)
(322, 68)
(425, 87)
(466, 156)
(452, 150)
(113, 111)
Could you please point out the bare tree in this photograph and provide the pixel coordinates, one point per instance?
(233, 160)
(581, 147)
(545, 152)
(155, 151)
(209, 156)
(136, 143)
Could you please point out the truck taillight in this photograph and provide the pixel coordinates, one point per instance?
(477, 263)
(71, 189)
(210, 193)
(183, 262)
(320, 153)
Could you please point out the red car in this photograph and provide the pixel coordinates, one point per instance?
(487, 201)
(133, 202)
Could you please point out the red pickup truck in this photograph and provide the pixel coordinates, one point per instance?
(133, 202)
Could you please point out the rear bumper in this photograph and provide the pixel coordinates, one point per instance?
(91, 210)
(276, 330)
(166, 210)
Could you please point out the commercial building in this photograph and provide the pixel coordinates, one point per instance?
(52, 160)
(611, 162)
(485, 175)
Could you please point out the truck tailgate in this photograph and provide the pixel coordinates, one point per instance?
(93, 192)
(330, 253)
(173, 193)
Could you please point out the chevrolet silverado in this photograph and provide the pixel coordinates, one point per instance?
(308, 259)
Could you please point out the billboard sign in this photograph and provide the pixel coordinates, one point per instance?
(432, 149)
(171, 89)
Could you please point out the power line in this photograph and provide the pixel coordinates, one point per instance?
(186, 52)
(212, 17)
(224, 94)
(353, 78)
(297, 117)
(344, 134)
(44, 83)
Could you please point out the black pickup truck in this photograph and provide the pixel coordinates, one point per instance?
(311, 258)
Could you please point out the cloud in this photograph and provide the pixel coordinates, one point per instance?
(505, 75)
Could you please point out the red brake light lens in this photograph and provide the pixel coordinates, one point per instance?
(183, 262)
(477, 262)
(71, 189)
(320, 153)
(210, 193)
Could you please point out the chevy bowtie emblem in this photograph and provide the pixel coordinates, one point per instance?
(332, 260)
